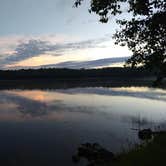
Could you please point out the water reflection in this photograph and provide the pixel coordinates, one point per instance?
(138, 92)
(48, 126)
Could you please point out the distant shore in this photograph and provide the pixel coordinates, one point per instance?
(69, 78)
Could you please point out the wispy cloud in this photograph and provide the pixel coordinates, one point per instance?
(89, 64)
(26, 49)
(82, 64)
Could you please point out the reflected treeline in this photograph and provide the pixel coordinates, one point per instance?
(44, 84)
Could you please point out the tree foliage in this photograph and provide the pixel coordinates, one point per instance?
(144, 33)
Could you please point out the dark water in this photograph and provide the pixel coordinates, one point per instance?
(41, 127)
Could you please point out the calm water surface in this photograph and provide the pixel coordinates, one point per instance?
(45, 127)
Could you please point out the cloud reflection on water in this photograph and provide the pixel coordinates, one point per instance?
(111, 103)
(67, 118)
(138, 92)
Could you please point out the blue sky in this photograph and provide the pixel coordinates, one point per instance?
(36, 33)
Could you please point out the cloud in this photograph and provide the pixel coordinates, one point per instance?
(26, 49)
(93, 43)
(81, 64)
(30, 49)
(89, 64)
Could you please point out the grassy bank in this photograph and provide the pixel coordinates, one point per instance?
(153, 154)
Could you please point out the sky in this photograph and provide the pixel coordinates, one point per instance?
(52, 33)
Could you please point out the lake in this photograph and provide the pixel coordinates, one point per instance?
(45, 127)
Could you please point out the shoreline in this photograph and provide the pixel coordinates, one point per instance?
(150, 153)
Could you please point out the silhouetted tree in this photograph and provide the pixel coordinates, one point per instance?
(144, 31)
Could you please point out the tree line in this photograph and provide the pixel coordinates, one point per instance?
(63, 73)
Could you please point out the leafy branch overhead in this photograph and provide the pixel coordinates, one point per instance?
(144, 31)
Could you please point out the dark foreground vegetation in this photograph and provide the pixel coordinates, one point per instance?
(143, 32)
(69, 78)
(150, 153)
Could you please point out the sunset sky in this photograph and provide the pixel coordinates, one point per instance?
(51, 33)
